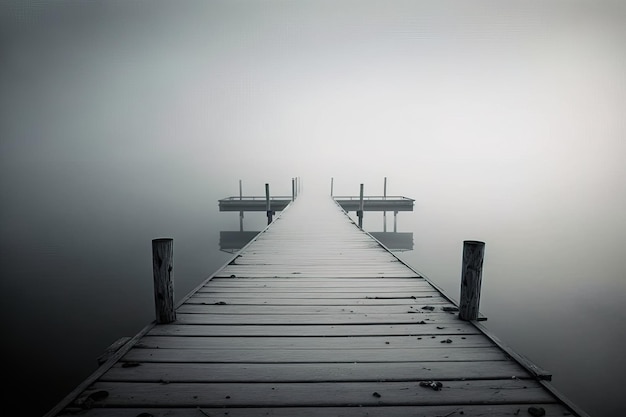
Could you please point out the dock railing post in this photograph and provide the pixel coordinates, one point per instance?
(293, 189)
(241, 211)
(471, 277)
(360, 212)
(384, 212)
(331, 186)
(268, 207)
(162, 266)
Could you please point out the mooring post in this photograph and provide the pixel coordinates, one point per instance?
(471, 277)
(162, 266)
(331, 186)
(268, 207)
(293, 189)
(360, 212)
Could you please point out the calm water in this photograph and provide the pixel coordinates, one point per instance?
(72, 290)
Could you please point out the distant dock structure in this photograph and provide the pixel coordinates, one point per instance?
(314, 317)
(231, 240)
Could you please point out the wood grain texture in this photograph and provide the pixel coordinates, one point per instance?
(469, 410)
(312, 372)
(323, 394)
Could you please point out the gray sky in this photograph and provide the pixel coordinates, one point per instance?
(501, 101)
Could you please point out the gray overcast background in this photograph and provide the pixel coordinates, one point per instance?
(126, 120)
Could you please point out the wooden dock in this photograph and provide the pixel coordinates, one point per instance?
(314, 317)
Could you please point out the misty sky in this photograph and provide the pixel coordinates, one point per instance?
(522, 89)
(124, 103)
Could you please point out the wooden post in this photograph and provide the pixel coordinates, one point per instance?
(360, 212)
(331, 186)
(385, 189)
(268, 207)
(293, 189)
(471, 276)
(241, 212)
(384, 212)
(162, 265)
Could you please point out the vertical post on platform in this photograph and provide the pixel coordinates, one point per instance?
(162, 266)
(331, 186)
(385, 189)
(384, 212)
(360, 212)
(241, 211)
(471, 277)
(268, 207)
(293, 189)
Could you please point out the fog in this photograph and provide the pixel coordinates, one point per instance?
(125, 121)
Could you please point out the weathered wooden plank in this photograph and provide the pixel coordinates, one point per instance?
(325, 295)
(304, 282)
(315, 342)
(318, 288)
(434, 300)
(317, 263)
(296, 280)
(274, 271)
(311, 330)
(215, 308)
(443, 353)
(351, 318)
(313, 372)
(285, 273)
(497, 410)
(316, 394)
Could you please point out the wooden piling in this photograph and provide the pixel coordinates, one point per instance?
(471, 276)
(268, 207)
(293, 189)
(162, 266)
(331, 186)
(360, 212)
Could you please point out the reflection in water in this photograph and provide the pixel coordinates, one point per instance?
(233, 241)
(395, 241)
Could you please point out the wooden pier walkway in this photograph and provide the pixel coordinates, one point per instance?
(314, 318)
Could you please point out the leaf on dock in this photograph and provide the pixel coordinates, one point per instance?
(435, 385)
